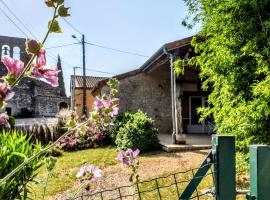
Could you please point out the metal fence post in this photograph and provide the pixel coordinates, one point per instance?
(260, 172)
(223, 149)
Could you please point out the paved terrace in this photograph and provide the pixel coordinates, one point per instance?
(193, 143)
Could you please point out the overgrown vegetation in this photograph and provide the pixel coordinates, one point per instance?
(15, 147)
(135, 131)
(233, 54)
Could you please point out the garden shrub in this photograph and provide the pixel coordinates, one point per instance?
(119, 122)
(138, 132)
(15, 147)
(92, 137)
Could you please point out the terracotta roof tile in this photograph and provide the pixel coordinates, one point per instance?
(91, 81)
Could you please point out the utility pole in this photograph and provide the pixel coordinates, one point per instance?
(84, 108)
(84, 79)
(73, 89)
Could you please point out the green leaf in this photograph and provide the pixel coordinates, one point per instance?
(11, 78)
(71, 123)
(178, 67)
(59, 2)
(18, 154)
(63, 11)
(54, 26)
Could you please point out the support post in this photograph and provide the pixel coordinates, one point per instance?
(223, 149)
(260, 172)
(172, 98)
(84, 79)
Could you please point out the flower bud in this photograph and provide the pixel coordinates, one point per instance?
(49, 3)
(94, 115)
(33, 46)
(63, 11)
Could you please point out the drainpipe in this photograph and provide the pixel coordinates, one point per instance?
(173, 88)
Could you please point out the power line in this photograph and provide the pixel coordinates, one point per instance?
(50, 54)
(13, 22)
(22, 23)
(64, 45)
(93, 70)
(118, 50)
(72, 26)
(105, 47)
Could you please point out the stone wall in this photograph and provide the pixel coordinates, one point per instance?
(35, 97)
(48, 106)
(23, 98)
(149, 93)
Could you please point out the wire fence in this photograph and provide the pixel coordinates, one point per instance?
(167, 187)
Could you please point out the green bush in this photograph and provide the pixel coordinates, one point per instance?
(119, 122)
(15, 147)
(137, 132)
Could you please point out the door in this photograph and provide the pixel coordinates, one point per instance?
(195, 126)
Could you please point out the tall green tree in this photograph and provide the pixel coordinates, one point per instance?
(233, 55)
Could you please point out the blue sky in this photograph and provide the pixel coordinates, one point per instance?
(140, 26)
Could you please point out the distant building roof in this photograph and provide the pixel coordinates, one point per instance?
(91, 81)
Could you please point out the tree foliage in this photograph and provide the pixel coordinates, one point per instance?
(234, 60)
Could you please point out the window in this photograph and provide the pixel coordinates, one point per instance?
(16, 53)
(5, 50)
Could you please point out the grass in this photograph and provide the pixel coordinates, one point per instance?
(63, 176)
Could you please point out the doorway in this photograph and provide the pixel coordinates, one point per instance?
(9, 111)
(63, 105)
(194, 125)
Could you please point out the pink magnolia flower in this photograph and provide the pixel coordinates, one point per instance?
(114, 111)
(101, 103)
(5, 92)
(4, 120)
(106, 106)
(41, 58)
(51, 75)
(14, 66)
(89, 172)
(127, 157)
(39, 70)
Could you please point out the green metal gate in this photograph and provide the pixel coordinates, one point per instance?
(219, 165)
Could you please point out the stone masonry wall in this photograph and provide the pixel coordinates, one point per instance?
(35, 96)
(149, 93)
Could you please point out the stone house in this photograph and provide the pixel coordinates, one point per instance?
(170, 100)
(76, 86)
(33, 98)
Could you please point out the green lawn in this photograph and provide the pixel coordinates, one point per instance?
(63, 176)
